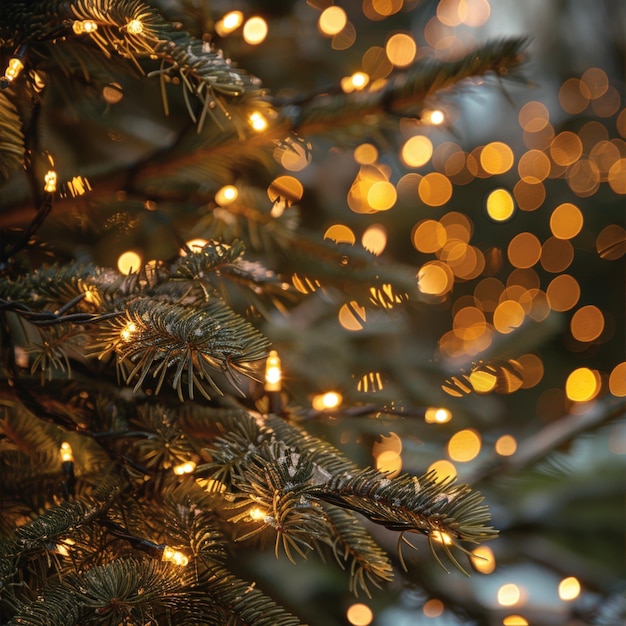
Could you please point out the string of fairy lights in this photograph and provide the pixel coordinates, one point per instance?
(588, 160)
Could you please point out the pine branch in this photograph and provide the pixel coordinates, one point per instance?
(355, 549)
(197, 343)
(445, 512)
(404, 93)
(240, 602)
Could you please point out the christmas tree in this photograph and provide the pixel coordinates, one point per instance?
(276, 347)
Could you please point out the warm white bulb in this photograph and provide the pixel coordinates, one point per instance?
(174, 556)
(135, 27)
(66, 452)
(257, 121)
(50, 181)
(184, 468)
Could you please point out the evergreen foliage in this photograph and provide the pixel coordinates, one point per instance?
(142, 372)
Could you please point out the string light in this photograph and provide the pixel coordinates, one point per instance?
(50, 181)
(81, 27)
(127, 332)
(66, 453)
(434, 415)
(14, 68)
(135, 27)
(257, 514)
(257, 121)
(326, 401)
(184, 468)
(229, 23)
(226, 195)
(273, 372)
(174, 556)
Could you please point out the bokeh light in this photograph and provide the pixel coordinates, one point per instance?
(509, 594)
(255, 31)
(128, 262)
(483, 559)
(464, 446)
(582, 385)
(569, 588)
(359, 614)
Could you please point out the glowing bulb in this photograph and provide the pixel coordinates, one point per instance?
(66, 452)
(569, 588)
(184, 468)
(326, 401)
(14, 68)
(359, 614)
(226, 194)
(257, 514)
(134, 27)
(128, 261)
(442, 537)
(437, 415)
(509, 595)
(435, 117)
(359, 80)
(50, 181)
(84, 26)
(255, 31)
(273, 372)
(174, 556)
(229, 23)
(128, 331)
(257, 121)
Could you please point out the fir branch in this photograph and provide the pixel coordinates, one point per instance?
(354, 548)
(240, 602)
(197, 343)
(444, 511)
(404, 93)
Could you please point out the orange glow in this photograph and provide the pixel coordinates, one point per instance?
(416, 151)
(509, 595)
(496, 158)
(332, 20)
(435, 278)
(569, 588)
(483, 559)
(352, 316)
(366, 154)
(617, 380)
(443, 469)
(506, 445)
(587, 323)
(255, 31)
(433, 608)
(500, 205)
(128, 262)
(611, 242)
(533, 116)
(382, 195)
(464, 446)
(533, 166)
(359, 614)
(566, 221)
(339, 233)
(566, 148)
(556, 255)
(524, 250)
(326, 401)
(582, 385)
(508, 316)
(514, 620)
(573, 96)
(285, 188)
(435, 189)
(429, 236)
(529, 196)
(401, 49)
